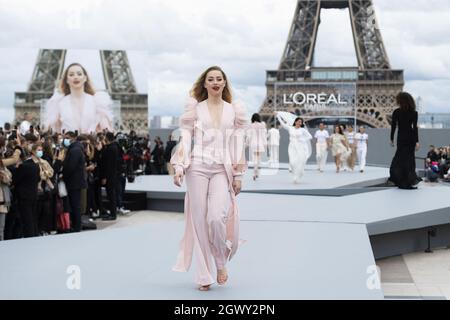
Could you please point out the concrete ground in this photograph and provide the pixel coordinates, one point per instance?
(417, 275)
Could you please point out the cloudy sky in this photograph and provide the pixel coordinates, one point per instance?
(170, 43)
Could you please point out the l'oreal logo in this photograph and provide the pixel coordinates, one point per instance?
(301, 98)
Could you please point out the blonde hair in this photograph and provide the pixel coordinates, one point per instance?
(199, 91)
(65, 88)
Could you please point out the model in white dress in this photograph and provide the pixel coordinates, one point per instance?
(362, 141)
(299, 144)
(322, 144)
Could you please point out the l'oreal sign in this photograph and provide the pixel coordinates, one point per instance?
(301, 98)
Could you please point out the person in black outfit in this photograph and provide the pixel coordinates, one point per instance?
(74, 176)
(403, 166)
(109, 172)
(158, 156)
(121, 178)
(44, 212)
(25, 181)
(98, 204)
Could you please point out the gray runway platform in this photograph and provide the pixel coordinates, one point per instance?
(272, 179)
(298, 246)
(163, 195)
(278, 261)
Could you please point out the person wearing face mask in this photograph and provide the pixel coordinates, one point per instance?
(74, 176)
(46, 186)
(76, 106)
(25, 181)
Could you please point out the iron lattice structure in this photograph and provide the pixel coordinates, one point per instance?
(376, 83)
(119, 83)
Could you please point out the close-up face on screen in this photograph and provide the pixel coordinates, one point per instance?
(224, 159)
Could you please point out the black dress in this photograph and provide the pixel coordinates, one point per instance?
(403, 166)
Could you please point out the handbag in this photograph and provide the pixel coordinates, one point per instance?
(62, 190)
(62, 218)
(6, 195)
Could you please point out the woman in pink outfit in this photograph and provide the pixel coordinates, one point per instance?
(257, 137)
(213, 171)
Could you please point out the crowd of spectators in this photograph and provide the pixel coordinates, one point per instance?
(437, 164)
(52, 182)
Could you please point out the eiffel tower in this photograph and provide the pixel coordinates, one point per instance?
(376, 84)
(119, 83)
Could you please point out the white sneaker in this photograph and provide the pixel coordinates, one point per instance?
(124, 211)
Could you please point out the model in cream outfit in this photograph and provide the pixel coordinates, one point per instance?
(345, 155)
(213, 171)
(351, 160)
(339, 146)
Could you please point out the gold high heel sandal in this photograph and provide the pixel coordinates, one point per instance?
(204, 288)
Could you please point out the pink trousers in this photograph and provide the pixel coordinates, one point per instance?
(209, 202)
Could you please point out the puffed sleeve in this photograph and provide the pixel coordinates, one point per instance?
(104, 115)
(181, 158)
(283, 122)
(237, 141)
(52, 114)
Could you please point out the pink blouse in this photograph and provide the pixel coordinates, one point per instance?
(223, 145)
